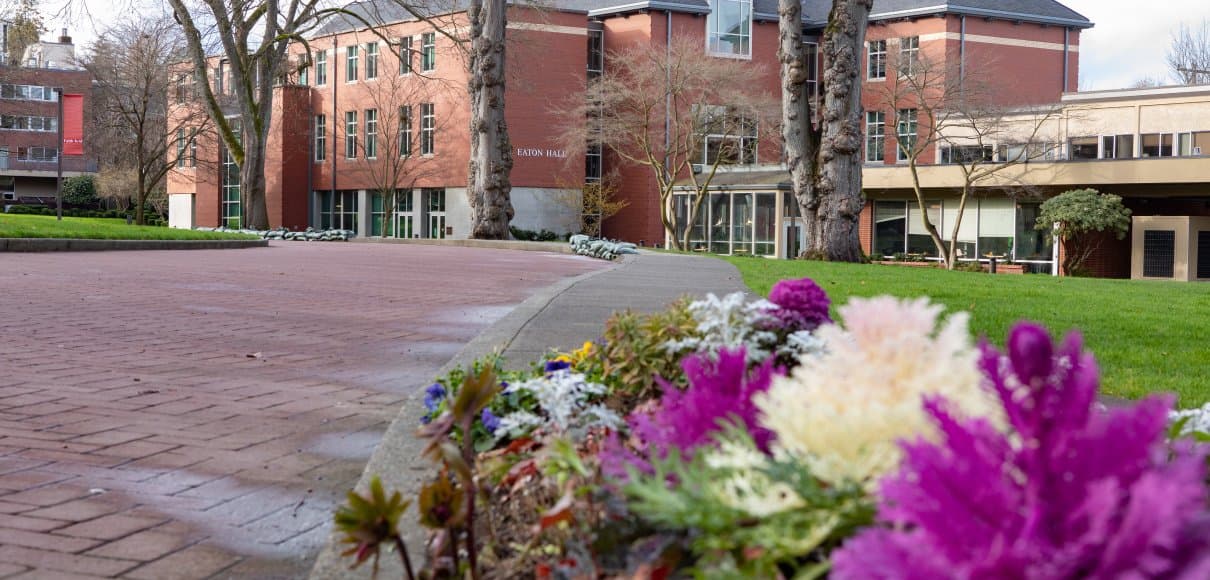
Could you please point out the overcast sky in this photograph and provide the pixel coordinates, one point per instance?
(1128, 43)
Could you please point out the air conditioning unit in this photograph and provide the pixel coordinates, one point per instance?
(10, 196)
(698, 168)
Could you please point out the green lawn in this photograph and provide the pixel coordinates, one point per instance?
(38, 226)
(1147, 336)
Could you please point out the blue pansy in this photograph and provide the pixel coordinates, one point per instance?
(557, 365)
(490, 421)
(433, 396)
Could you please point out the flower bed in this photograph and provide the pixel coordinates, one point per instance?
(724, 438)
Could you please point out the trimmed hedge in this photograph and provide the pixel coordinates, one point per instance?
(151, 218)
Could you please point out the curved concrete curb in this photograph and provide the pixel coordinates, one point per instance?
(559, 247)
(397, 461)
(79, 245)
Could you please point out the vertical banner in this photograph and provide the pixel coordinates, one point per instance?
(73, 124)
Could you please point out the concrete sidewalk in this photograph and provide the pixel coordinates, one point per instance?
(562, 317)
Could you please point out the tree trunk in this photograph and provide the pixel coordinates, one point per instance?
(798, 135)
(838, 185)
(142, 199)
(252, 185)
(491, 160)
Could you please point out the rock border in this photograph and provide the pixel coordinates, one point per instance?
(93, 245)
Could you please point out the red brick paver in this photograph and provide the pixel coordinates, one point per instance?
(199, 414)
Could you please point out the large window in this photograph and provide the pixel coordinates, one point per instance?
(875, 136)
(1117, 147)
(1157, 145)
(371, 133)
(909, 55)
(32, 92)
(180, 147)
(428, 51)
(596, 53)
(351, 135)
(352, 55)
(321, 68)
(232, 216)
(405, 55)
(434, 202)
(906, 126)
(1192, 144)
(918, 240)
(740, 223)
(995, 218)
(890, 227)
(729, 27)
(405, 131)
(372, 60)
(428, 128)
(728, 138)
(28, 123)
(338, 210)
(321, 137)
(1083, 148)
(966, 154)
(397, 223)
(1032, 244)
(876, 60)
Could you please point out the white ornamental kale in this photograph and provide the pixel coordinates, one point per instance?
(730, 322)
(562, 404)
(1199, 419)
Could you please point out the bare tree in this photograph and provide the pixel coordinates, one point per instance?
(669, 113)
(825, 160)
(937, 109)
(1189, 53)
(254, 36)
(133, 123)
(25, 26)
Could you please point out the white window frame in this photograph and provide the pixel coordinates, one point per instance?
(428, 129)
(352, 62)
(321, 138)
(869, 60)
(371, 60)
(350, 134)
(405, 56)
(321, 68)
(909, 55)
(880, 136)
(714, 35)
(405, 131)
(371, 143)
(913, 116)
(428, 52)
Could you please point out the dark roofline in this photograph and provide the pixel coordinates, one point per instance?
(984, 12)
(672, 6)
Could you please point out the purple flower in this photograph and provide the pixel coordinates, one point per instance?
(1069, 492)
(433, 395)
(802, 304)
(556, 365)
(719, 390)
(490, 421)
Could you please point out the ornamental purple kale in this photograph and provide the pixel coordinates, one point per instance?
(1070, 492)
(802, 304)
(719, 390)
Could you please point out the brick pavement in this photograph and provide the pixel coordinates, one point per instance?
(199, 414)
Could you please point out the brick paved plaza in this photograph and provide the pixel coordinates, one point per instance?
(197, 414)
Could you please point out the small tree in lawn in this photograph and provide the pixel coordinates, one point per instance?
(668, 112)
(1077, 218)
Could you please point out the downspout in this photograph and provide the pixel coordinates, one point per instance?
(335, 122)
(962, 51)
(1066, 51)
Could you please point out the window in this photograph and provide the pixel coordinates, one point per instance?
(428, 51)
(1117, 147)
(890, 227)
(338, 210)
(1025, 152)
(39, 154)
(405, 55)
(303, 75)
(405, 131)
(876, 60)
(1083, 148)
(321, 68)
(996, 221)
(875, 136)
(220, 74)
(812, 50)
(371, 133)
(351, 58)
(428, 128)
(32, 92)
(906, 125)
(1193, 144)
(435, 203)
(321, 137)
(918, 239)
(28, 123)
(593, 168)
(180, 147)
(397, 223)
(596, 53)
(1032, 244)
(1157, 145)
(966, 154)
(909, 55)
(351, 135)
(193, 150)
(729, 27)
(372, 60)
(728, 138)
(232, 216)
(184, 88)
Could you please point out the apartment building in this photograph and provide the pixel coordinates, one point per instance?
(29, 121)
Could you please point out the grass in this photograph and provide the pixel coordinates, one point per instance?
(1147, 336)
(38, 226)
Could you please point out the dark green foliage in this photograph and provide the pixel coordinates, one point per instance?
(368, 522)
(634, 352)
(1082, 214)
(152, 220)
(532, 236)
(81, 192)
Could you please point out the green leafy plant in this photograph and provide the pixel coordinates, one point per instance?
(80, 191)
(1079, 218)
(367, 522)
(635, 352)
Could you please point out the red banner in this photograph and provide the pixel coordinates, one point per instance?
(73, 124)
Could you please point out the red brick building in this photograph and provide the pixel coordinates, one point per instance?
(29, 123)
(339, 121)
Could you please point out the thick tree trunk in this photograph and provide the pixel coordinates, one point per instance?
(142, 196)
(798, 135)
(838, 185)
(252, 183)
(491, 160)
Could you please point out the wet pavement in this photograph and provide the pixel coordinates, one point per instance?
(199, 414)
